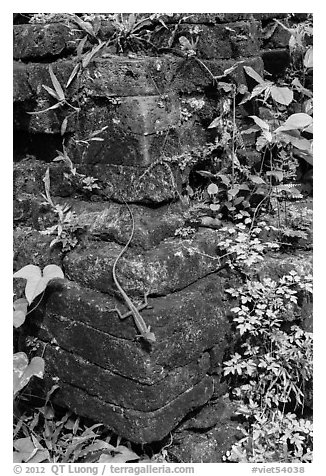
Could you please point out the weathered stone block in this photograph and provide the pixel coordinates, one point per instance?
(43, 40)
(192, 77)
(29, 78)
(185, 326)
(275, 36)
(90, 349)
(114, 388)
(122, 76)
(157, 184)
(140, 427)
(30, 247)
(219, 41)
(276, 61)
(172, 265)
(29, 174)
(111, 222)
(36, 41)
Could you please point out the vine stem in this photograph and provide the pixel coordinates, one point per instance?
(36, 305)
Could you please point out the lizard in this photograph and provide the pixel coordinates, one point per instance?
(145, 332)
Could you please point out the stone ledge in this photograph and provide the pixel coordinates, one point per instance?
(185, 327)
(173, 265)
(148, 185)
(118, 390)
(139, 427)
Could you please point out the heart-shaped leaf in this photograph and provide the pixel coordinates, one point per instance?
(36, 283)
(24, 371)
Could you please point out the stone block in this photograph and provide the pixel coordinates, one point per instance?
(121, 76)
(29, 78)
(184, 324)
(43, 40)
(172, 265)
(276, 61)
(218, 41)
(118, 390)
(137, 426)
(191, 76)
(94, 353)
(111, 222)
(35, 41)
(274, 36)
(157, 184)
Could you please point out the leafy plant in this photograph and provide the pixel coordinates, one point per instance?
(66, 228)
(36, 283)
(271, 371)
(56, 92)
(49, 434)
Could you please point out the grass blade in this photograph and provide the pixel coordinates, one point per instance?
(51, 92)
(57, 85)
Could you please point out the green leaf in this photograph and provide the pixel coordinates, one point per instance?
(52, 271)
(224, 179)
(205, 173)
(20, 311)
(227, 87)
(233, 191)
(55, 106)
(64, 126)
(57, 85)
(256, 179)
(212, 189)
(300, 143)
(24, 371)
(308, 58)
(299, 120)
(36, 283)
(89, 56)
(259, 89)
(73, 74)
(215, 122)
(253, 74)
(29, 450)
(262, 124)
(275, 173)
(51, 92)
(33, 276)
(296, 83)
(86, 26)
(122, 454)
(47, 183)
(282, 95)
(80, 47)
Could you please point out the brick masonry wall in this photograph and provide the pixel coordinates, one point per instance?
(149, 107)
